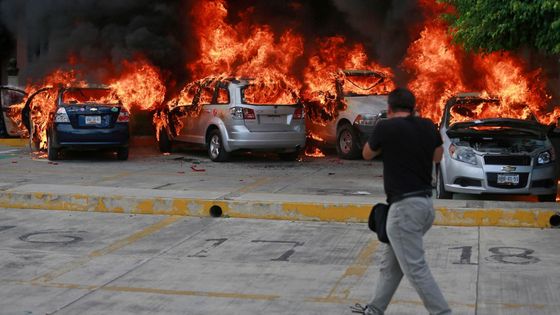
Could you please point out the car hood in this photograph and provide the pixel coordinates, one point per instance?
(371, 104)
(500, 136)
(497, 126)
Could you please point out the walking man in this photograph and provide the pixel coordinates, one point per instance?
(409, 145)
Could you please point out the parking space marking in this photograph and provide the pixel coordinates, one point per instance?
(353, 273)
(248, 296)
(108, 249)
(247, 188)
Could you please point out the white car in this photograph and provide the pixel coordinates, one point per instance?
(493, 155)
(360, 107)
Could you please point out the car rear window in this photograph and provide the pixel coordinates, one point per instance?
(269, 94)
(89, 96)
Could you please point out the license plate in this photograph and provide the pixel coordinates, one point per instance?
(93, 120)
(508, 179)
(273, 119)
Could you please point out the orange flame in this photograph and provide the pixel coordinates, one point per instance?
(441, 69)
(140, 85)
(314, 152)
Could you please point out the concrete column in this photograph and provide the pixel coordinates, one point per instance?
(13, 72)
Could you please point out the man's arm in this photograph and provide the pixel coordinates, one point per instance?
(438, 154)
(368, 153)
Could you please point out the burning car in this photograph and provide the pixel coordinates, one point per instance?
(9, 97)
(76, 118)
(360, 106)
(229, 115)
(485, 154)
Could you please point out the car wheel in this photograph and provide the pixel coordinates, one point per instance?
(52, 152)
(165, 144)
(547, 198)
(122, 154)
(347, 142)
(441, 193)
(289, 156)
(216, 150)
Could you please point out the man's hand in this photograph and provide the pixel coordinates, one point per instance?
(368, 153)
(438, 154)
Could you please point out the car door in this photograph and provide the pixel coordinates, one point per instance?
(12, 101)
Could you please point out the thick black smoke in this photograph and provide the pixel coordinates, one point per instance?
(103, 33)
(99, 34)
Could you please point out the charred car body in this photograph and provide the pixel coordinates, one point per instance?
(493, 155)
(360, 106)
(79, 118)
(224, 119)
(9, 96)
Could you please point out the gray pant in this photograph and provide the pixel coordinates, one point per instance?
(407, 222)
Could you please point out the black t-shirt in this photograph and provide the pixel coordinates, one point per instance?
(407, 145)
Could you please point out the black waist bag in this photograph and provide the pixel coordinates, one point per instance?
(377, 221)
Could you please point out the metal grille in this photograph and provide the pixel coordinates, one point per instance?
(507, 160)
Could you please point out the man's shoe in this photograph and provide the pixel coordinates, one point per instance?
(365, 310)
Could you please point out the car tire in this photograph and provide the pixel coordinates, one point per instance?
(441, 193)
(52, 152)
(165, 144)
(289, 156)
(122, 154)
(216, 150)
(347, 142)
(547, 198)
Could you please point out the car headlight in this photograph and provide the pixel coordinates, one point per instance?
(366, 120)
(463, 154)
(545, 157)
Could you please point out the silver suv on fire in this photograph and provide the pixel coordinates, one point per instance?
(225, 119)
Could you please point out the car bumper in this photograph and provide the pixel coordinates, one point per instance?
(65, 136)
(471, 179)
(282, 141)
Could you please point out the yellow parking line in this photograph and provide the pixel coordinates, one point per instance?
(244, 296)
(353, 273)
(249, 187)
(108, 249)
(262, 297)
(19, 143)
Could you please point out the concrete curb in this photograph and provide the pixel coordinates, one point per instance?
(14, 142)
(447, 213)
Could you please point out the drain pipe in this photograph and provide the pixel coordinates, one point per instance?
(555, 220)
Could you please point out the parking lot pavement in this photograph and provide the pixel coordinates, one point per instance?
(57, 262)
(250, 186)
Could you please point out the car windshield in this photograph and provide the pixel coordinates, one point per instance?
(479, 109)
(83, 96)
(363, 85)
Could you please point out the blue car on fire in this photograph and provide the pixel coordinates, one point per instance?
(77, 118)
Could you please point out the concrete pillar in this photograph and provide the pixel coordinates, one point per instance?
(13, 72)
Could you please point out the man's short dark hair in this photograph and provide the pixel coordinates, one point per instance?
(401, 99)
